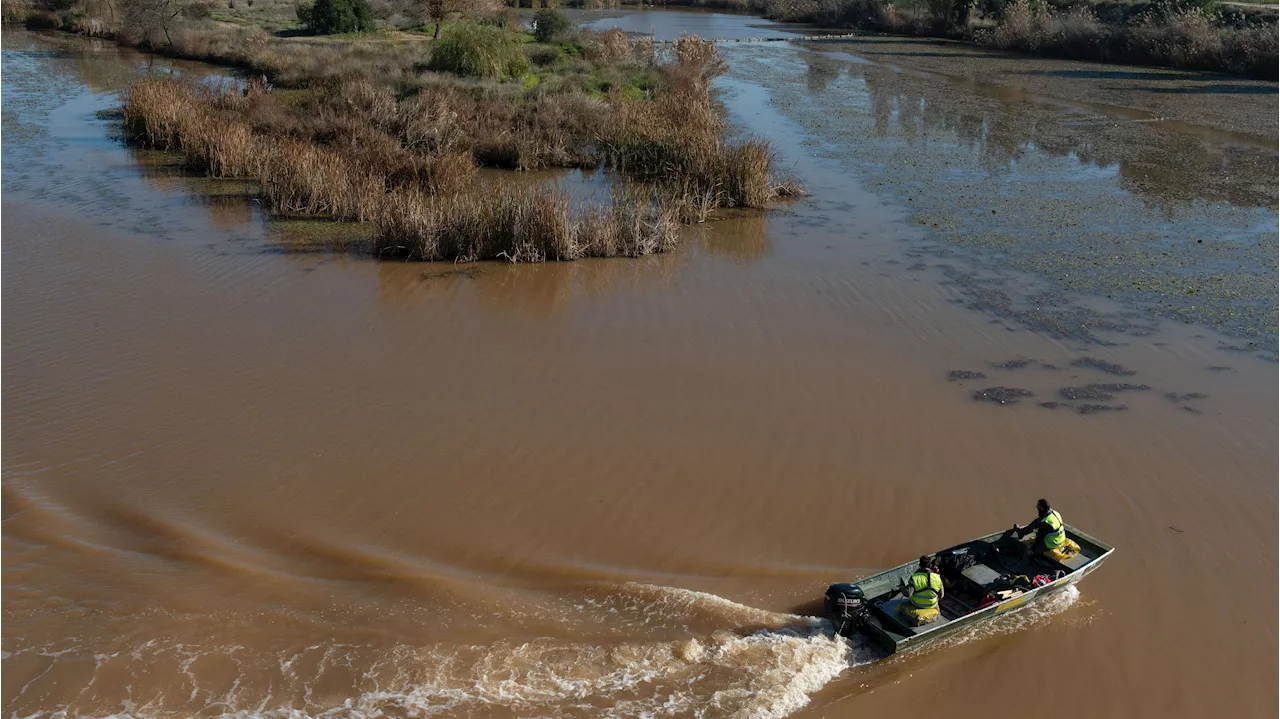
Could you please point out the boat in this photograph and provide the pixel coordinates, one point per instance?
(996, 575)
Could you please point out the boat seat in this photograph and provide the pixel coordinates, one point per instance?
(981, 574)
(1076, 562)
(888, 612)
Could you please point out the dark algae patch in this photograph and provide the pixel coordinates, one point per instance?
(1001, 395)
(1180, 398)
(1099, 391)
(1097, 408)
(1102, 366)
(961, 374)
(1012, 364)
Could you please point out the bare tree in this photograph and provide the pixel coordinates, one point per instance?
(151, 17)
(436, 10)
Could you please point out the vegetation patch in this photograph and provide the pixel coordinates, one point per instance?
(392, 132)
(480, 51)
(328, 17)
(1190, 34)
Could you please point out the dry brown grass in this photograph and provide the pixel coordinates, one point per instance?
(14, 11)
(1190, 39)
(521, 225)
(404, 156)
(438, 213)
(677, 139)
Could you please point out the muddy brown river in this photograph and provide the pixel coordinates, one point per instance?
(247, 475)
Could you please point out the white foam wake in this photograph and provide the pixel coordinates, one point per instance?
(760, 665)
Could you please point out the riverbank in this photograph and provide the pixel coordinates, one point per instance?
(1183, 35)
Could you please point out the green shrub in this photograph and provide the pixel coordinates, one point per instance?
(552, 26)
(544, 54)
(197, 11)
(479, 51)
(329, 17)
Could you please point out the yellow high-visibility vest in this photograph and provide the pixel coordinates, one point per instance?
(926, 589)
(1057, 534)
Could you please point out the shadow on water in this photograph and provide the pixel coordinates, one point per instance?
(1215, 89)
(1120, 74)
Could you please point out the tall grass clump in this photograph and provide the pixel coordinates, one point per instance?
(181, 117)
(14, 12)
(678, 140)
(517, 224)
(480, 51)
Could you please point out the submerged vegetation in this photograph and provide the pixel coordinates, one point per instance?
(394, 133)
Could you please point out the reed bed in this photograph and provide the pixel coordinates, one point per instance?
(428, 218)
(406, 161)
(522, 225)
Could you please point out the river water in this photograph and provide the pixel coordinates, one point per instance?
(246, 475)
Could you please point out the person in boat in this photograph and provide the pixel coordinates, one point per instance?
(925, 591)
(1051, 533)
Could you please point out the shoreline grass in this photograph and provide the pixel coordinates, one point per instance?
(1184, 34)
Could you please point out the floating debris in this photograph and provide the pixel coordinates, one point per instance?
(1099, 391)
(1002, 395)
(1102, 365)
(1054, 405)
(1012, 364)
(470, 274)
(959, 374)
(1179, 398)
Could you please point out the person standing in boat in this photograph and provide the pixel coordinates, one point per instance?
(1050, 532)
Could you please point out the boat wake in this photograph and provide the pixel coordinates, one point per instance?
(761, 664)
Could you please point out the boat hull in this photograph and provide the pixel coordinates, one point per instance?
(882, 627)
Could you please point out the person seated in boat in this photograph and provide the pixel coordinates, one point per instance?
(925, 591)
(1051, 533)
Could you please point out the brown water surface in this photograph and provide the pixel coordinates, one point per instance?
(243, 479)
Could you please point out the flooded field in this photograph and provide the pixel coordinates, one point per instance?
(247, 474)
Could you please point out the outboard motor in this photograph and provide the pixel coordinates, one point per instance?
(846, 608)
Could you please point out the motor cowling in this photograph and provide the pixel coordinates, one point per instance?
(846, 608)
